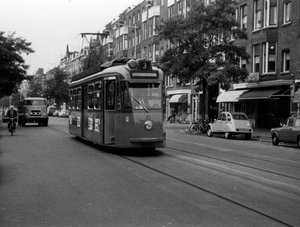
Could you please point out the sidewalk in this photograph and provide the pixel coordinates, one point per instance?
(259, 134)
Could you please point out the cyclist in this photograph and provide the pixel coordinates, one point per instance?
(12, 114)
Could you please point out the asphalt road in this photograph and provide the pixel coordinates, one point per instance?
(48, 178)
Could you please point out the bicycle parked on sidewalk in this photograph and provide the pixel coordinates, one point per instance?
(198, 126)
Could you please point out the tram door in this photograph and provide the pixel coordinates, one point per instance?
(109, 110)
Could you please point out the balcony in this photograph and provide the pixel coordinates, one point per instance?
(123, 30)
(171, 2)
(154, 11)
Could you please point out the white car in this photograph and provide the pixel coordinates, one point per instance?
(229, 124)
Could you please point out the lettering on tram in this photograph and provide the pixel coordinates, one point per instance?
(122, 105)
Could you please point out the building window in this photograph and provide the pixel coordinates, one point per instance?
(171, 11)
(244, 17)
(144, 30)
(125, 42)
(138, 16)
(286, 61)
(287, 12)
(151, 20)
(179, 7)
(269, 57)
(169, 81)
(257, 14)
(145, 52)
(243, 63)
(270, 13)
(207, 2)
(256, 58)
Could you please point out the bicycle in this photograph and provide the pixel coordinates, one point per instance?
(11, 126)
(198, 126)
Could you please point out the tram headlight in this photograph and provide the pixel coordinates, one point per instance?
(132, 64)
(148, 125)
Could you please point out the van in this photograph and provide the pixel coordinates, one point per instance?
(33, 110)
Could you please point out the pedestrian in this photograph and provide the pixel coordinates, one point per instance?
(211, 114)
(171, 118)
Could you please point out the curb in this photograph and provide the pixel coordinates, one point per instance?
(183, 129)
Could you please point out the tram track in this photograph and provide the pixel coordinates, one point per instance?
(224, 198)
(245, 165)
(138, 161)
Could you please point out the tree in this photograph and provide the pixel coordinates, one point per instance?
(201, 47)
(57, 87)
(35, 89)
(12, 65)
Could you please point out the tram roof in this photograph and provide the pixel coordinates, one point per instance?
(116, 65)
(99, 68)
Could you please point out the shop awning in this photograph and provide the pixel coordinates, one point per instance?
(296, 98)
(230, 96)
(182, 98)
(264, 93)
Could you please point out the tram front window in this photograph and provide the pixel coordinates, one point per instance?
(145, 95)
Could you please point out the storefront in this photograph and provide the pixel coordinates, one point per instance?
(180, 102)
(266, 106)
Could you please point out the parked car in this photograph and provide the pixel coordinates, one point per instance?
(229, 124)
(289, 132)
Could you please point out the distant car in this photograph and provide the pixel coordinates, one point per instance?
(289, 132)
(63, 113)
(56, 113)
(4, 118)
(229, 124)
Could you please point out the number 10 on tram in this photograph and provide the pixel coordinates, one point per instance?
(121, 105)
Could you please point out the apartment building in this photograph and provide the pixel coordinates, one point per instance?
(272, 91)
(134, 35)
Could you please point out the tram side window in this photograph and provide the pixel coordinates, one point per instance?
(90, 97)
(97, 96)
(70, 98)
(78, 104)
(125, 96)
(110, 95)
(74, 98)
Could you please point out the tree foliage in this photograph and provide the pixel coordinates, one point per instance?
(12, 65)
(201, 46)
(35, 88)
(57, 86)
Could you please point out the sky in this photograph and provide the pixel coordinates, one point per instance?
(51, 25)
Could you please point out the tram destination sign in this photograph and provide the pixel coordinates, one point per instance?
(144, 75)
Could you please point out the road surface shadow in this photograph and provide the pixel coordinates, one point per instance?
(133, 152)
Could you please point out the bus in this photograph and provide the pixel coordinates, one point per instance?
(119, 104)
(33, 110)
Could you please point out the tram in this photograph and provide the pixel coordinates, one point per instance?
(120, 104)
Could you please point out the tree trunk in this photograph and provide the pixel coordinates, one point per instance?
(203, 101)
